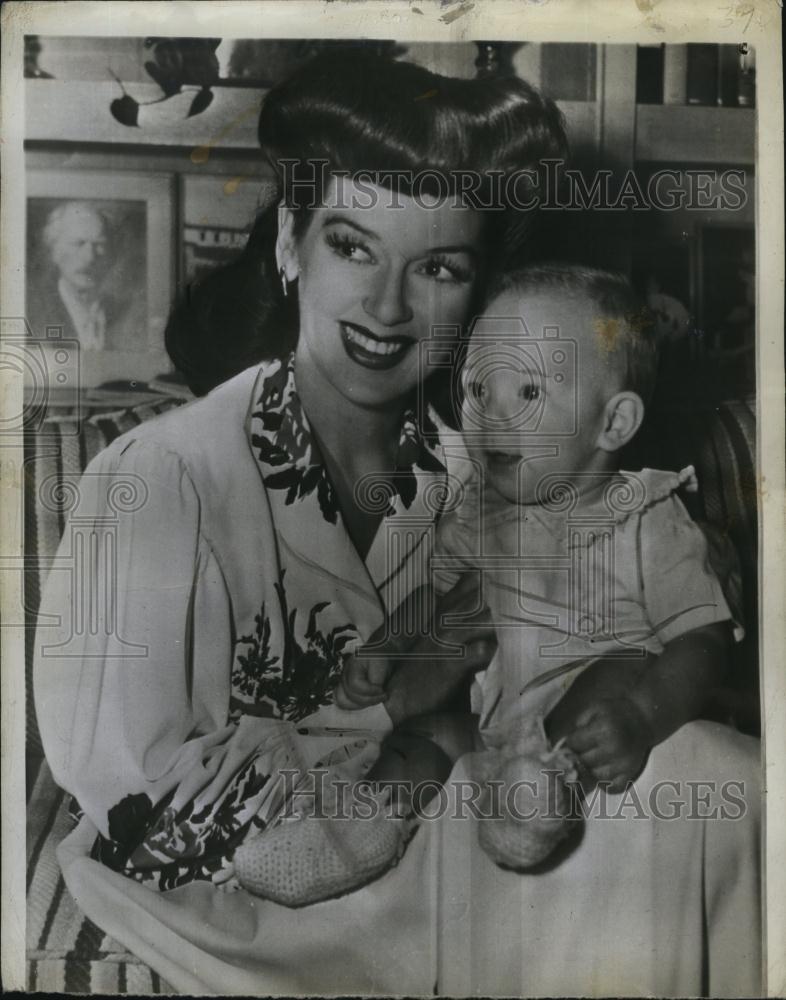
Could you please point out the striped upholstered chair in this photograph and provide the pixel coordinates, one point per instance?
(67, 953)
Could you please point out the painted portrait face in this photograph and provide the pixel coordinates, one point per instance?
(79, 247)
(372, 283)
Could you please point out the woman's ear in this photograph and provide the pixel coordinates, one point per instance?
(622, 417)
(286, 246)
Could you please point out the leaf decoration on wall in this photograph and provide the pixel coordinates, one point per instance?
(202, 100)
(176, 63)
(125, 110)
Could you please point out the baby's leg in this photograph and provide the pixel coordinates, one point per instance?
(420, 754)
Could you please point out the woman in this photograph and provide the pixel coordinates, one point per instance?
(261, 533)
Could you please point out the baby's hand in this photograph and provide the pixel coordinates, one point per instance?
(363, 682)
(612, 739)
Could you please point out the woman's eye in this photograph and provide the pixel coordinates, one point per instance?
(443, 269)
(349, 248)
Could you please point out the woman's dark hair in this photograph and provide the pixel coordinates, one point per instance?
(360, 113)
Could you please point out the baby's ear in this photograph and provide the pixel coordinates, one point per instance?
(622, 417)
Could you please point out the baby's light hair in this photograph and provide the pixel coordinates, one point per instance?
(614, 296)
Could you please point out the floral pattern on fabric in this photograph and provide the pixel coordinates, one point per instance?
(194, 844)
(297, 683)
(285, 446)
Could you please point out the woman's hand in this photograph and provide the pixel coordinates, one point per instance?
(415, 673)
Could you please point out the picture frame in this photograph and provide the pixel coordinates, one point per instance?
(216, 216)
(99, 272)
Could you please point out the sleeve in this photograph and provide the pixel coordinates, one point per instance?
(119, 708)
(680, 590)
(453, 552)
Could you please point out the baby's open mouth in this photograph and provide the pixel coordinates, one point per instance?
(502, 459)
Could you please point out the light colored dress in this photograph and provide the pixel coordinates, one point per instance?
(619, 571)
(191, 632)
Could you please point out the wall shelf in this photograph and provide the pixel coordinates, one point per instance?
(230, 122)
(663, 132)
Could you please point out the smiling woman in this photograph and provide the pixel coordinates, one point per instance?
(283, 518)
(441, 136)
(371, 283)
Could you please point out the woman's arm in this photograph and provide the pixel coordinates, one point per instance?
(120, 689)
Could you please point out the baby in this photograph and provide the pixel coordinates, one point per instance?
(612, 628)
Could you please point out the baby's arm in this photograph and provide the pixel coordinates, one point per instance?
(617, 711)
(418, 664)
(364, 677)
(616, 728)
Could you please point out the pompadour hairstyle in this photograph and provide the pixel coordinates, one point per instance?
(362, 113)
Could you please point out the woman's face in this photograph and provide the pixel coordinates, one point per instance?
(374, 280)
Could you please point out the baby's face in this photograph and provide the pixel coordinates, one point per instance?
(536, 380)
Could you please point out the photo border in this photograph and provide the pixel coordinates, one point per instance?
(756, 21)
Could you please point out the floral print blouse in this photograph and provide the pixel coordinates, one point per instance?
(229, 594)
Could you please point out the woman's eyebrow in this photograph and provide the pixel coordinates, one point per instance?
(335, 219)
(338, 219)
(456, 248)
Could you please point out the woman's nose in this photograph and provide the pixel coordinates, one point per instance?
(388, 303)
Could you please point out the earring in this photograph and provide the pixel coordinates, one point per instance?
(283, 276)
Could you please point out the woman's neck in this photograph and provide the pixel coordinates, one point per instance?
(354, 437)
(355, 441)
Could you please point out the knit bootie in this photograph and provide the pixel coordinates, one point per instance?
(525, 807)
(308, 859)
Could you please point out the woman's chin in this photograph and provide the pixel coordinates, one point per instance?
(372, 389)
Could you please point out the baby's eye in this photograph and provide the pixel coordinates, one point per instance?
(475, 390)
(530, 392)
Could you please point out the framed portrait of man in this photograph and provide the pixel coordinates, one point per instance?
(98, 270)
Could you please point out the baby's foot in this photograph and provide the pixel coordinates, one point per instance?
(526, 807)
(309, 859)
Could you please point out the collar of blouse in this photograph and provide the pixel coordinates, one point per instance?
(303, 501)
